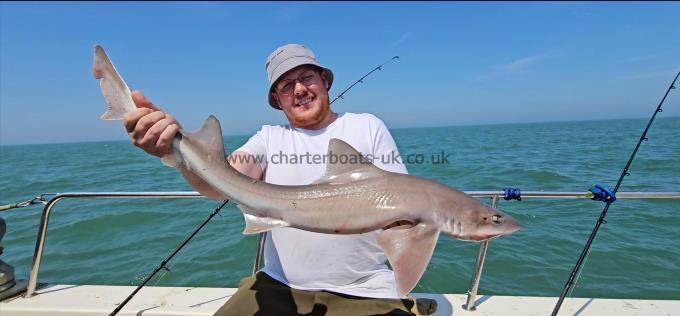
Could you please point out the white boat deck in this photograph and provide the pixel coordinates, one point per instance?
(155, 301)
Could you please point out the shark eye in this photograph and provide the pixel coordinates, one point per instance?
(497, 219)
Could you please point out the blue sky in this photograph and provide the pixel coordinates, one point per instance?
(460, 63)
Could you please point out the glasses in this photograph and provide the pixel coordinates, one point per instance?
(287, 86)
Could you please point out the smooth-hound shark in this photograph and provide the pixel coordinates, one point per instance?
(350, 198)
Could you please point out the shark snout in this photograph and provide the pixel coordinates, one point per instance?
(493, 224)
(502, 222)
(509, 225)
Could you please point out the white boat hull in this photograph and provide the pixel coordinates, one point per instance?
(81, 300)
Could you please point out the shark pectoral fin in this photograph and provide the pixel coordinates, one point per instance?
(256, 224)
(409, 251)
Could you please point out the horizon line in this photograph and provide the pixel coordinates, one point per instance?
(391, 129)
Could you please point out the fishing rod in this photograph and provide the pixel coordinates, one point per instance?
(341, 95)
(609, 197)
(162, 265)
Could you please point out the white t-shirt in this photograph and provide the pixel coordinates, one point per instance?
(349, 264)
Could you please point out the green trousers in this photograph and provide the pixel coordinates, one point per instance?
(264, 296)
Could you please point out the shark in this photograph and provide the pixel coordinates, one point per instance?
(352, 197)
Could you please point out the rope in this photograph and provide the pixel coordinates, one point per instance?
(512, 194)
(36, 200)
(602, 193)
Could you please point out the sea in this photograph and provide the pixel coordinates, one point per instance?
(636, 253)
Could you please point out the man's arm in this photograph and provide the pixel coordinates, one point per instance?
(153, 130)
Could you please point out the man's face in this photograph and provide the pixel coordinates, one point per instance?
(302, 93)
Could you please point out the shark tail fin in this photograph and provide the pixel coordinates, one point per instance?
(116, 93)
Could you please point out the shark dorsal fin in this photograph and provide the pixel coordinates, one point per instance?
(207, 140)
(344, 164)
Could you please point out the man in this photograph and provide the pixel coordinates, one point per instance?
(305, 272)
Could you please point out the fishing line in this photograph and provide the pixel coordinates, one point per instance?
(164, 272)
(578, 276)
(163, 265)
(608, 197)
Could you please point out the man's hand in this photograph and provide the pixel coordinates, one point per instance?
(150, 128)
(153, 131)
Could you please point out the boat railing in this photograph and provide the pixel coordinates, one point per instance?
(476, 275)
